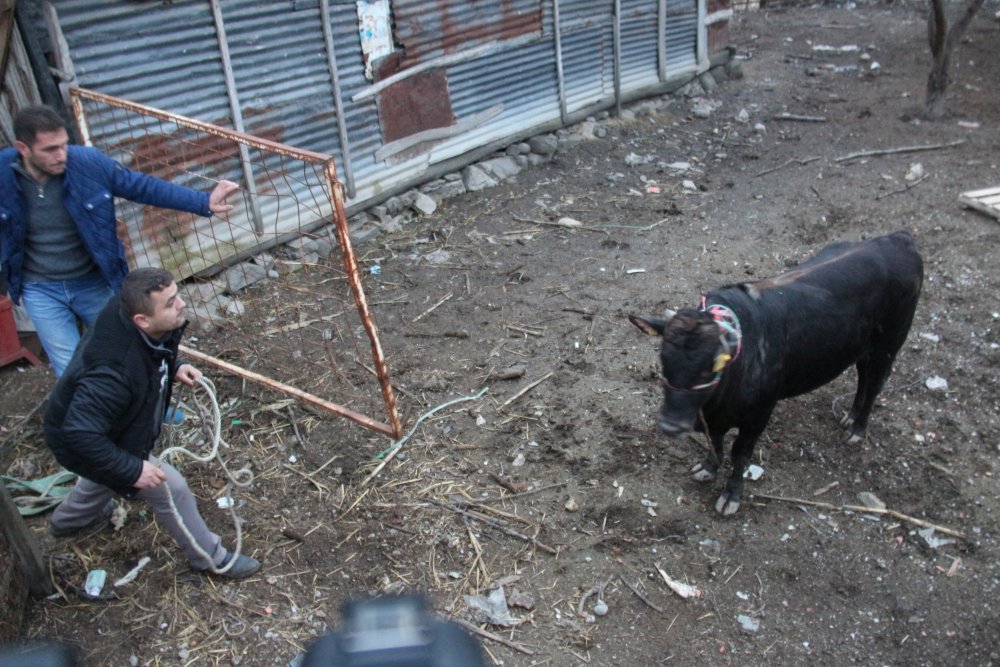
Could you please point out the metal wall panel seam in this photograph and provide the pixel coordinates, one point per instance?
(338, 100)
(616, 39)
(234, 106)
(560, 81)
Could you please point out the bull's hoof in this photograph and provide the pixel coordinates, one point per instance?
(854, 438)
(726, 505)
(702, 473)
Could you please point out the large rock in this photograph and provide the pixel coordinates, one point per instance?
(544, 144)
(501, 168)
(300, 247)
(476, 179)
(243, 275)
(424, 205)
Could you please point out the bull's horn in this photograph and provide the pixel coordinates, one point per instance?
(669, 314)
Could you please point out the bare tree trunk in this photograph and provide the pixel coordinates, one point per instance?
(942, 41)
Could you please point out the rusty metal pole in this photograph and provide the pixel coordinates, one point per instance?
(354, 280)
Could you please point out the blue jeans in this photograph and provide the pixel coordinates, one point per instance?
(54, 307)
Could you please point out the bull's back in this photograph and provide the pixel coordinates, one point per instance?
(850, 300)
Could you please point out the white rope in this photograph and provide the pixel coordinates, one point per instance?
(241, 478)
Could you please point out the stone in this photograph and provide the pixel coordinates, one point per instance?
(476, 179)
(543, 144)
(300, 247)
(536, 160)
(445, 189)
(520, 148)
(734, 68)
(707, 82)
(243, 275)
(235, 308)
(204, 317)
(194, 293)
(569, 140)
(424, 205)
(500, 167)
(324, 246)
(719, 74)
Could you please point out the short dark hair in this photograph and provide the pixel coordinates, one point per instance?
(36, 118)
(137, 287)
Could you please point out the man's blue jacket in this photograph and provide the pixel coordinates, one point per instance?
(91, 182)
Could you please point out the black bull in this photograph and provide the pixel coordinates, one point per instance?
(752, 344)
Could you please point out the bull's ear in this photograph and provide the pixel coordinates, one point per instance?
(650, 326)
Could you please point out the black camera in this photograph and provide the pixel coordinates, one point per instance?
(394, 632)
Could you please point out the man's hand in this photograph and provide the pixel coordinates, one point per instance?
(217, 198)
(187, 374)
(150, 477)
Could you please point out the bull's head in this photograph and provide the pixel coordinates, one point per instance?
(694, 351)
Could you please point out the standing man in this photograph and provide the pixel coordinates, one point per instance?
(104, 416)
(59, 249)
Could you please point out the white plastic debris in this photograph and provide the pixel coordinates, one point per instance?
(689, 185)
(569, 222)
(748, 623)
(936, 383)
(753, 472)
(915, 172)
(932, 541)
(601, 608)
(480, 420)
(133, 573)
(224, 503)
(491, 609)
(932, 337)
(684, 590)
(518, 460)
(95, 582)
(825, 48)
(871, 501)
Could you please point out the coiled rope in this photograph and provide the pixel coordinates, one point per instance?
(211, 421)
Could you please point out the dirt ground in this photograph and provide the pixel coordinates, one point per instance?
(592, 479)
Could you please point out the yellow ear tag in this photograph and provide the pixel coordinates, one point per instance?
(720, 362)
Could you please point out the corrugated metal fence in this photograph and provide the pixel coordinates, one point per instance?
(460, 79)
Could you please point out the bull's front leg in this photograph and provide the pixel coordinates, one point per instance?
(729, 502)
(708, 469)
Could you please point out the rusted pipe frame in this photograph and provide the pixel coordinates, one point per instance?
(338, 98)
(192, 124)
(354, 280)
(306, 397)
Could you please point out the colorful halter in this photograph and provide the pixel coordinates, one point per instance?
(731, 339)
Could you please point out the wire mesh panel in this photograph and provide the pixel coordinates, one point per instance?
(273, 287)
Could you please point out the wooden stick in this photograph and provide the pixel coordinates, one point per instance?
(904, 149)
(523, 493)
(526, 389)
(803, 119)
(494, 524)
(472, 627)
(866, 510)
(638, 594)
(785, 164)
(432, 308)
(904, 188)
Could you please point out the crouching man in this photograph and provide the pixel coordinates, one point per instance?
(104, 416)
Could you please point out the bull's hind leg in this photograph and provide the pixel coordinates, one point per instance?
(873, 370)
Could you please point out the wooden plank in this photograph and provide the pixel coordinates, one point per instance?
(23, 546)
(979, 206)
(982, 193)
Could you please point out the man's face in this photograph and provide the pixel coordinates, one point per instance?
(47, 155)
(168, 312)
